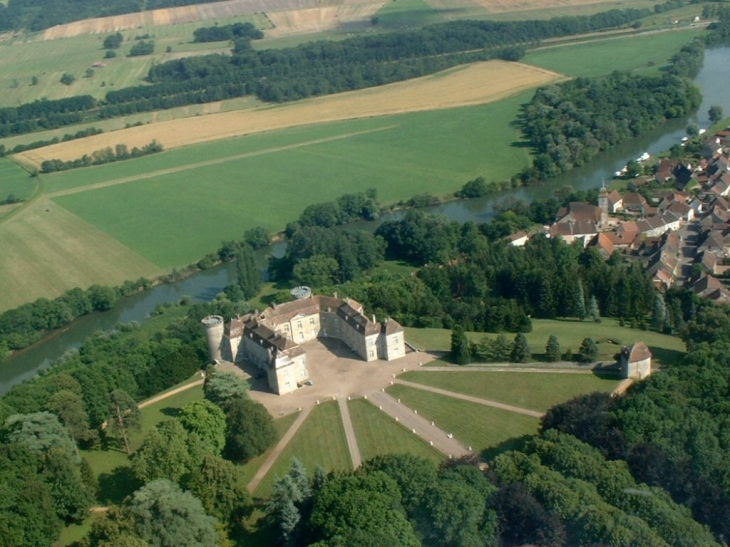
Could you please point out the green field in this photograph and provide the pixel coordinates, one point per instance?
(377, 433)
(319, 441)
(532, 390)
(475, 425)
(15, 180)
(26, 57)
(646, 53)
(175, 219)
(667, 350)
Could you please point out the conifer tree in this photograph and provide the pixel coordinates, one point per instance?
(659, 316)
(552, 349)
(588, 351)
(520, 350)
(579, 303)
(460, 350)
(249, 276)
(594, 314)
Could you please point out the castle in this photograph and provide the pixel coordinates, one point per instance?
(272, 339)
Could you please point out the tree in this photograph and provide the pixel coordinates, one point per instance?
(165, 516)
(594, 314)
(249, 276)
(221, 488)
(299, 477)
(113, 41)
(250, 430)
(34, 80)
(67, 79)
(316, 271)
(123, 415)
(257, 237)
(206, 420)
(71, 497)
(579, 303)
(223, 387)
(588, 351)
(523, 521)
(164, 454)
(715, 113)
(460, 351)
(659, 316)
(552, 349)
(520, 349)
(501, 349)
(39, 432)
(692, 130)
(69, 407)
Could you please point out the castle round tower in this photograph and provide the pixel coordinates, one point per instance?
(214, 327)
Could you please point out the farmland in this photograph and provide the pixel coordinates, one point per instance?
(466, 85)
(642, 53)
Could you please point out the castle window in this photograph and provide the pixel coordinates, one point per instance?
(311, 320)
(299, 324)
(286, 327)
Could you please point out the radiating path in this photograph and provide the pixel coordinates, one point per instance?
(350, 433)
(271, 460)
(154, 400)
(438, 438)
(485, 402)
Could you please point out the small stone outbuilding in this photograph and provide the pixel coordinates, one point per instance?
(635, 361)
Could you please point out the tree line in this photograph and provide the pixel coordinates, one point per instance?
(99, 157)
(225, 33)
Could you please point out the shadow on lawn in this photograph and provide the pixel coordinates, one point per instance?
(516, 443)
(117, 485)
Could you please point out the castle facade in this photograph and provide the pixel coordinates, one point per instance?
(272, 339)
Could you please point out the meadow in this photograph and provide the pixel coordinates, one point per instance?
(644, 53)
(14, 180)
(667, 350)
(532, 390)
(379, 434)
(475, 425)
(25, 57)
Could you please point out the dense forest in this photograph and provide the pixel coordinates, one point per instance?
(570, 123)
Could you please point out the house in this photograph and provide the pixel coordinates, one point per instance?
(708, 261)
(604, 244)
(272, 339)
(569, 232)
(634, 202)
(635, 361)
(579, 211)
(519, 239)
(658, 225)
(665, 170)
(706, 285)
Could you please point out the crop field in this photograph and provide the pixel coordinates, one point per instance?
(47, 250)
(645, 53)
(570, 333)
(378, 434)
(174, 219)
(475, 425)
(319, 441)
(15, 181)
(532, 390)
(478, 83)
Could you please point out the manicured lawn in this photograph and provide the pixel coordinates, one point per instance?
(533, 390)
(320, 441)
(75, 532)
(666, 349)
(377, 433)
(175, 219)
(16, 181)
(646, 53)
(475, 425)
(164, 410)
(282, 425)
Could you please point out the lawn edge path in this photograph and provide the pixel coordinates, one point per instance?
(271, 460)
(350, 435)
(469, 398)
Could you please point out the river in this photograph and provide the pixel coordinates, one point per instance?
(714, 79)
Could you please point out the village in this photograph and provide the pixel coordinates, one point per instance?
(676, 221)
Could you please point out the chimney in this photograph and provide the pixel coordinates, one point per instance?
(374, 318)
(335, 294)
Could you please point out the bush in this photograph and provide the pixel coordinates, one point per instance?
(67, 79)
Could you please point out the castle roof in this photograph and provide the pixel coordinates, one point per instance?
(637, 352)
